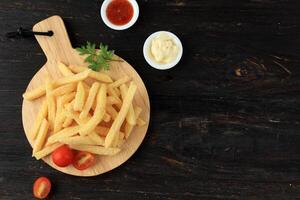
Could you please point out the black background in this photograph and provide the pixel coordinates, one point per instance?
(224, 122)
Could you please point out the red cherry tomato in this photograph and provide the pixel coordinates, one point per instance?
(41, 187)
(83, 160)
(62, 156)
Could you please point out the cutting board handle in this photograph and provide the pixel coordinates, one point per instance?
(57, 47)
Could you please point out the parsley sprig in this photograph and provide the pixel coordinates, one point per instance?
(97, 59)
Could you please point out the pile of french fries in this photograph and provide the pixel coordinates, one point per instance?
(96, 118)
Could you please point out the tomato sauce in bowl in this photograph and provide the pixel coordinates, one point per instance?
(119, 12)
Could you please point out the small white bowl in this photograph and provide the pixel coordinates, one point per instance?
(122, 27)
(149, 58)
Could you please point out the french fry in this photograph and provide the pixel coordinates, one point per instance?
(112, 112)
(64, 70)
(130, 117)
(59, 105)
(118, 139)
(86, 87)
(42, 114)
(35, 93)
(68, 121)
(98, 113)
(101, 130)
(41, 137)
(67, 132)
(40, 91)
(140, 122)
(67, 98)
(50, 103)
(79, 98)
(99, 150)
(65, 89)
(95, 75)
(115, 128)
(119, 82)
(129, 127)
(73, 78)
(90, 100)
(47, 150)
(78, 140)
(117, 91)
(58, 122)
(113, 93)
(96, 138)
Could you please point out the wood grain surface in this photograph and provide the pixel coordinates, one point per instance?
(57, 48)
(224, 123)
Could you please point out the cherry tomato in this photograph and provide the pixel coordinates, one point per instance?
(83, 160)
(62, 156)
(41, 187)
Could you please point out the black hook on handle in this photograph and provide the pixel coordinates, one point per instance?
(21, 32)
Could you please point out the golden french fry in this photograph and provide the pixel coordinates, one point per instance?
(35, 93)
(79, 98)
(106, 117)
(73, 78)
(59, 105)
(67, 132)
(129, 127)
(94, 105)
(42, 114)
(140, 122)
(112, 112)
(67, 98)
(99, 150)
(96, 138)
(68, 121)
(58, 122)
(130, 117)
(78, 140)
(50, 103)
(113, 93)
(65, 89)
(117, 91)
(64, 70)
(40, 91)
(47, 150)
(41, 137)
(119, 82)
(115, 128)
(95, 75)
(98, 113)
(90, 100)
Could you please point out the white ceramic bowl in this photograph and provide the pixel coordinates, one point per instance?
(122, 27)
(149, 58)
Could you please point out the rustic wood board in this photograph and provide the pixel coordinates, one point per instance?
(58, 48)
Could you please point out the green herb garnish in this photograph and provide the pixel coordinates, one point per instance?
(97, 59)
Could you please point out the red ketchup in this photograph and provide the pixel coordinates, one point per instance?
(119, 12)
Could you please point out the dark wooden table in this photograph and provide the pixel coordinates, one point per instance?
(224, 124)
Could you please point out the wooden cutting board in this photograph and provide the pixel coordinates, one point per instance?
(58, 48)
